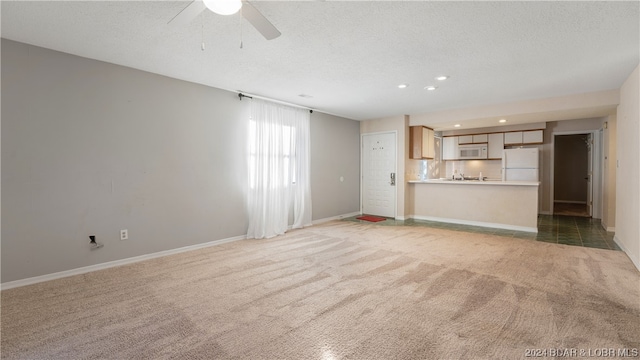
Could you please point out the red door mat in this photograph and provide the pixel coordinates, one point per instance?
(371, 218)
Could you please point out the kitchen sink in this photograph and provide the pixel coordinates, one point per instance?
(466, 178)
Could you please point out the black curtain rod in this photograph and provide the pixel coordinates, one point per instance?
(241, 95)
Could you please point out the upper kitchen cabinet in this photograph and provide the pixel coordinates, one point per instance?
(421, 142)
(480, 138)
(465, 139)
(532, 137)
(523, 137)
(496, 146)
(513, 138)
(472, 139)
(450, 148)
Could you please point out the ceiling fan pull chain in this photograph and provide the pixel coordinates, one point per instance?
(241, 28)
(202, 33)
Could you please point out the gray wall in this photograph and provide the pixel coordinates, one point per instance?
(335, 154)
(91, 148)
(628, 168)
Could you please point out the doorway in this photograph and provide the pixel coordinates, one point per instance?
(379, 174)
(573, 173)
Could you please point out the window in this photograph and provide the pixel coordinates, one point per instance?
(279, 148)
(278, 164)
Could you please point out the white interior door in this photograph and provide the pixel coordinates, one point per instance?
(379, 174)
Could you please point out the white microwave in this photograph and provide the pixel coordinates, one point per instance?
(472, 151)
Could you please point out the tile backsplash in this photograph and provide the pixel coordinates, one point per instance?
(491, 169)
(416, 169)
(433, 169)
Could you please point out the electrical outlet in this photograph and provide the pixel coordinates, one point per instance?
(94, 244)
(124, 234)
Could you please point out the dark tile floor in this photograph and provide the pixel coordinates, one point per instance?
(570, 209)
(558, 229)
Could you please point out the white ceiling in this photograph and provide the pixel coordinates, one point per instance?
(351, 55)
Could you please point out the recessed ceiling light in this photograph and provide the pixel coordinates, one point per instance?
(456, 125)
(502, 120)
(402, 86)
(442, 78)
(430, 87)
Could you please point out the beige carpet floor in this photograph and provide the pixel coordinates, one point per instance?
(341, 290)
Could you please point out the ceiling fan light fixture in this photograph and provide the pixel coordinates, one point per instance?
(223, 7)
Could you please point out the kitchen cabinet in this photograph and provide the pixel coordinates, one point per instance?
(428, 143)
(532, 137)
(421, 142)
(496, 142)
(513, 138)
(472, 139)
(450, 148)
(523, 137)
(465, 139)
(496, 146)
(480, 138)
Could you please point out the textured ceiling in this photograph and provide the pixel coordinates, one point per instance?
(350, 56)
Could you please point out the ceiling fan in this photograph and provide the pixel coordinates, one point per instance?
(227, 7)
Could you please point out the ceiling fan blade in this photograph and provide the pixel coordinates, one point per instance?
(264, 26)
(184, 17)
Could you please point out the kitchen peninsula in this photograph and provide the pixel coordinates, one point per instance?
(509, 205)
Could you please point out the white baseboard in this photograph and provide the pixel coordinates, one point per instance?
(401, 218)
(338, 217)
(477, 223)
(110, 264)
(607, 228)
(635, 261)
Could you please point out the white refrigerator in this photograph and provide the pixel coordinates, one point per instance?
(520, 164)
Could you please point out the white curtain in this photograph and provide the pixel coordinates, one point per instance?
(279, 175)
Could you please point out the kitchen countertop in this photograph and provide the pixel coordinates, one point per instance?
(475, 182)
